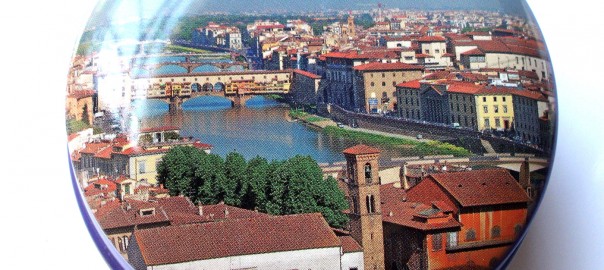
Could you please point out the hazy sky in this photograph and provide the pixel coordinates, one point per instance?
(128, 10)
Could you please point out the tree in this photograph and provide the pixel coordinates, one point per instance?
(177, 169)
(257, 174)
(210, 180)
(171, 135)
(236, 185)
(85, 116)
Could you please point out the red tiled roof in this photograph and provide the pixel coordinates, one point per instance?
(464, 88)
(379, 66)
(105, 153)
(481, 187)
(92, 189)
(307, 74)
(448, 55)
(473, 52)
(411, 214)
(361, 149)
(350, 245)
(431, 39)
(203, 146)
(410, 84)
(423, 55)
(72, 136)
(193, 242)
(94, 147)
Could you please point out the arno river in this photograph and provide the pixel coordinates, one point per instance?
(261, 128)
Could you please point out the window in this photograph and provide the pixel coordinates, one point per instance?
(383, 83)
(495, 108)
(355, 205)
(497, 123)
(503, 99)
(496, 232)
(437, 241)
(370, 203)
(383, 75)
(368, 173)
(427, 51)
(372, 84)
(452, 239)
(141, 167)
(471, 109)
(485, 108)
(470, 235)
(393, 83)
(436, 51)
(484, 99)
(487, 123)
(494, 98)
(505, 108)
(465, 108)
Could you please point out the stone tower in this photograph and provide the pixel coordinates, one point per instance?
(351, 27)
(366, 213)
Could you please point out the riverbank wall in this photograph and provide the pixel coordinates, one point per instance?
(465, 138)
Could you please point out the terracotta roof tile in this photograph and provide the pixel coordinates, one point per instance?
(431, 39)
(378, 66)
(415, 84)
(481, 187)
(412, 214)
(307, 74)
(361, 149)
(350, 245)
(184, 243)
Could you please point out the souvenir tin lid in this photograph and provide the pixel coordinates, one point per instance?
(357, 135)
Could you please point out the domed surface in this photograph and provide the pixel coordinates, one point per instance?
(185, 115)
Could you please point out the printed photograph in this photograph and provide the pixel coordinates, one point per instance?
(278, 134)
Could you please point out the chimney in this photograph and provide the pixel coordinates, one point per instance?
(525, 174)
(200, 207)
(403, 178)
(226, 212)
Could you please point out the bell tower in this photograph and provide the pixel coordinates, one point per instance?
(366, 213)
(351, 26)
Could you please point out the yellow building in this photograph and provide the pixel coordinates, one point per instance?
(140, 162)
(494, 108)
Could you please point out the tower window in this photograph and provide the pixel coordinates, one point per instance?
(370, 204)
(368, 173)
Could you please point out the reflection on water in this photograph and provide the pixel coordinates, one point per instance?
(260, 129)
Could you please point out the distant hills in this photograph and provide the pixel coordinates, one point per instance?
(116, 11)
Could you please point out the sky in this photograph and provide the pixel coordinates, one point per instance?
(120, 11)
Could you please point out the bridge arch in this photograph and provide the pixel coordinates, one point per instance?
(219, 87)
(205, 69)
(235, 68)
(207, 102)
(170, 69)
(207, 87)
(196, 87)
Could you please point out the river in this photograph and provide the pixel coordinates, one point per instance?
(258, 129)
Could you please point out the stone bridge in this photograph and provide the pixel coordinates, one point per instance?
(238, 87)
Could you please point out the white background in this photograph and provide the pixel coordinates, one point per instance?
(41, 224)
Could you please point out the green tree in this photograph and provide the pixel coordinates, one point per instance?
(145, 139)
(257, 173)
(171, 135)
(85, 116)
(210, 180)
(236, 185)
(331, 202)
(177, 169)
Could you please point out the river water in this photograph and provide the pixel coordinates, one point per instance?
(261, 128)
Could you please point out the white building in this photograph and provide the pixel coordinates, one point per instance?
(303, 241)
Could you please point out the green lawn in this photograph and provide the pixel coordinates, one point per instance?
(182, 49)
(421, 148)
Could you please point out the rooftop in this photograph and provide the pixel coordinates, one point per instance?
(184, 243)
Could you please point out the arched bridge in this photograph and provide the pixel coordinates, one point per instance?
(235, 86)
